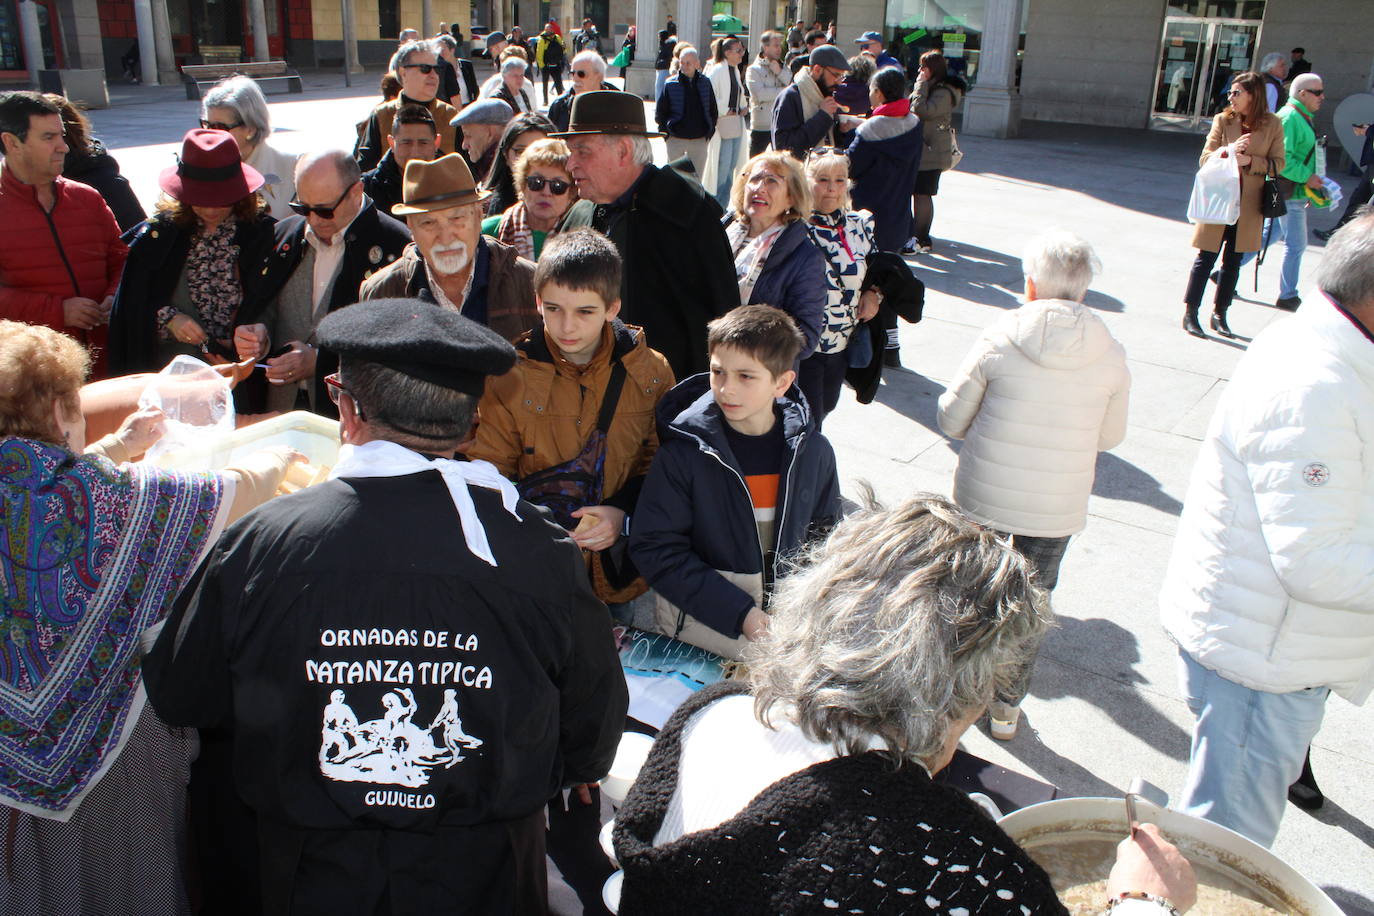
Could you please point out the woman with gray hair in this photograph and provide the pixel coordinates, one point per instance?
(1042, 391)
(237, 105)
(810, 787)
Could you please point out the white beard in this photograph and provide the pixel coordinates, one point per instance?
(449, 259)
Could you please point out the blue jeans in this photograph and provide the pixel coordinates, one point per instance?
(1292, 229)
(725, 170)
(660, 77)
(1248, 748)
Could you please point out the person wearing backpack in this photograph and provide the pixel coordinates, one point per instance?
(549, 54)
(573, 422)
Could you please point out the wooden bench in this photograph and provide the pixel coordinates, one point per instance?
(269, 74)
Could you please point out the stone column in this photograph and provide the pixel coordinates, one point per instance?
(162, 41)
(694, 24)
(760, 21)
(427, 18)
(257, 18)
(147, 43)
(32, 39)
(993, 108)
(639, 79)
(350, 40)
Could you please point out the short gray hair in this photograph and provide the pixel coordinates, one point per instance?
(245, 98)
(447, 41)
(409, 407)
(1272, 58)
(641, 153)
(597, 62)
(1346, 273)
(1303, 81)
(1061, 264)
(514, 63)
(403, 53)
(903, 623)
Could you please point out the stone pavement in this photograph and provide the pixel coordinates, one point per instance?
(1104, 704)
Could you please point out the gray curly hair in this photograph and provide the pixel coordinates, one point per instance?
(902, 623)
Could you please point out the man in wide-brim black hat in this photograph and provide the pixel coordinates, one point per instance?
(679, 270)
(418, 660)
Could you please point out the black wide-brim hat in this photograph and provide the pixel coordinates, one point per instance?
(208, 172)
(607, 111)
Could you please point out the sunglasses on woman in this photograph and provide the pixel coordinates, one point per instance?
(557, 186)
(322, 212)
(219, 125)
(423, 68)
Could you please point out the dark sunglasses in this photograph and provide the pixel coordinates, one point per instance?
(557, 186)
(423, 68)
(1315, 91)
(219, 125)
(322, 212)
(581, 74)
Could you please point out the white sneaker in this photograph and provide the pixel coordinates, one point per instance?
(1003, 718)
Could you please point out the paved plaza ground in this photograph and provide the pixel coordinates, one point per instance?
(1104, 704)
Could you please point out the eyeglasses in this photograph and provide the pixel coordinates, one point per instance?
(335, 387)
(321, 212)
(423, 68)
(219, 125)
(1315, 91)
(557, 186)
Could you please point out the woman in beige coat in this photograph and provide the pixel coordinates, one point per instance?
(1247, 131)
(936, 96)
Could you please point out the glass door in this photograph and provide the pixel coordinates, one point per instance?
(1197, 60)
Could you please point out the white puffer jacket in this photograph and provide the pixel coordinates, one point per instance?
(1271, 583)
(1041, 392)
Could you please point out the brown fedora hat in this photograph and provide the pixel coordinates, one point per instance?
(607, 111)
(437, 185)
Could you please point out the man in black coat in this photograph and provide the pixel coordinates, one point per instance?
(806, 112)
(679, 268)
(413, 136)
(316, 266)
(410, 657)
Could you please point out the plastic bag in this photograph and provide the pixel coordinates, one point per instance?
(1216, 191)
(196, 400)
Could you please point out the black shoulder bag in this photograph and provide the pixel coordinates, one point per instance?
(576, 484)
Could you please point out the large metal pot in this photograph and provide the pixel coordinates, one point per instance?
(1201, 841)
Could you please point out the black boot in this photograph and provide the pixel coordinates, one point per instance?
(1219, 325)
(1305, 793)
(1190, 321)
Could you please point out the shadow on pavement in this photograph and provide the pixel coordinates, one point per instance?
(1115, 651)
(1336, 816)
(1353, 903)
(966, 271)
(1117, 478)
(1071, 779)
(912, 395)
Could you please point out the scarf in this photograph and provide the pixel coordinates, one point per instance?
(380, 458)
(514, 230)
(750, 254)
(91, 557)
(898, 109)
(810, 93)
(212, 279)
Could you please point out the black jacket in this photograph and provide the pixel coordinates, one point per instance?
(390, 692)
(383, 184)
(560, 109)
(448, 79)
(791, 131)
(373, 240)
(695, 515)
(679, 270)
(99, 169)
(157, 256)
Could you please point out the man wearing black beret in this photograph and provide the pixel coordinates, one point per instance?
(411, 659)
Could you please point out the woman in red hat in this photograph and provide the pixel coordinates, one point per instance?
(191, 265)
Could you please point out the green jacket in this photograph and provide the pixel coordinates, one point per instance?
(1299, 143)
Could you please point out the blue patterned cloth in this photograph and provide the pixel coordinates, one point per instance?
(90, 556)
(845, 237)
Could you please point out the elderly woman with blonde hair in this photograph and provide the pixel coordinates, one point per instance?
(545, 189)
(809, 787)
(775, 262)
(94, 555)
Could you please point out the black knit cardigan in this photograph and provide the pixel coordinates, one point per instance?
(855, 834)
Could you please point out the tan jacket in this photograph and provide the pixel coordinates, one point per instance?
(443, 112)
(510, 286)
(541, 412)
(934, 104)
(1266, 147)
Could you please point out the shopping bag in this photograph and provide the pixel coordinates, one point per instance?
(196, 400)
(623, 58)
(1216, 191)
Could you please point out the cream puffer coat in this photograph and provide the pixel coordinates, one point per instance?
(1271, 583)
(1041, 392)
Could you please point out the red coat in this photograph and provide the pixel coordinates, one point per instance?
(46, 257)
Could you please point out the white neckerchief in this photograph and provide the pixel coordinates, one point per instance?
(380, 458)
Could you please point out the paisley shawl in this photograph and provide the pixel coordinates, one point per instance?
(90, 557)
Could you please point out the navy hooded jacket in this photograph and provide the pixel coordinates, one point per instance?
(695, 515)
(794, 279)
(883, 160)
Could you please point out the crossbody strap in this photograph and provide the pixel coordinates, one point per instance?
(611, 398)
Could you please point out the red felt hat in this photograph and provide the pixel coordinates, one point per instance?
(208, 172)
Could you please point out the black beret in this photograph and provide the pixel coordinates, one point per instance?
(418, 339)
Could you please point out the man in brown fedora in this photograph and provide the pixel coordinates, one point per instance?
(679, 270)
(450, 262)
